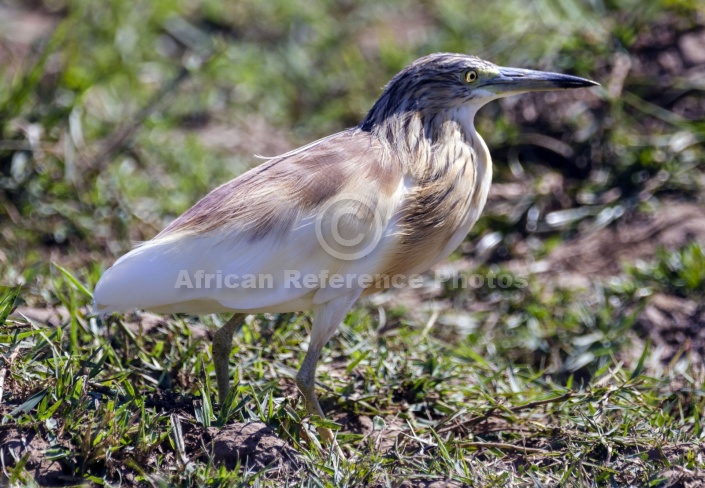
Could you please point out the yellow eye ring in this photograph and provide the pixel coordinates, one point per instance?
(470, 76)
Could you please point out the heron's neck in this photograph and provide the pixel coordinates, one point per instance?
(447, 175)
(430, 143)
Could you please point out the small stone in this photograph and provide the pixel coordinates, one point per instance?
(692, 46)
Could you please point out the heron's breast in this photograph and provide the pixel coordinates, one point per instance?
(441, 209)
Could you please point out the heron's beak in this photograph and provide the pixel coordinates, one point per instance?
(514, 80)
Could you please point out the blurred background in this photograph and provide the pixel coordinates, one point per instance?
(116, 116)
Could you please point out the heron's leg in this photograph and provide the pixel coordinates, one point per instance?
(327, 318)
(222, 345)
(306, 381)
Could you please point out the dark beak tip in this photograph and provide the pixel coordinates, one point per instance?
(577, 83)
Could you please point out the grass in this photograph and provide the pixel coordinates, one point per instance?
(120, 115)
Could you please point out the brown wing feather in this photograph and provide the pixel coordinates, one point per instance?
(271, 197)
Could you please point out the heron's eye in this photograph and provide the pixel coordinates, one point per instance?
(470, 76)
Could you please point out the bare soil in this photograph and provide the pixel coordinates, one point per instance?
(636, 237)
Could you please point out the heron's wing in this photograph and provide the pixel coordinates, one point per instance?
(250, 244)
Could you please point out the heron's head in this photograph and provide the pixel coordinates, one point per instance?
(446, 81)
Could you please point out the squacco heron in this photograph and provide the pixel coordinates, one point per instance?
(343, 217)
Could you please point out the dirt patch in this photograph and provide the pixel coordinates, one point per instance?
(354, 424)
(16, 443)
(671, 46)
(679, 477)
(675, 325)
(288, 388)
(380, 438)
(254, 445)
(50, 316)
(603, 252)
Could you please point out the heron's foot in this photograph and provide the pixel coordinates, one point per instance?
(307, 389)
(326, 435)
(314, 408)
(328, 440)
